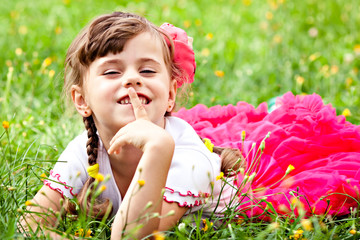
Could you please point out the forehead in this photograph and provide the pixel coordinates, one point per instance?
(144, 47)
(143, 44)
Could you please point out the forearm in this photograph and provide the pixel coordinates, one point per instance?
(41, 212)
(152, 169)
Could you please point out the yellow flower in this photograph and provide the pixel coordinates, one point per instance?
(18, 51)
(219, 73)
(289, 169)
(187, 23)
(51, 73)
(283, 208)
(29, 203)
(23, 30)
(58, 30)
(273, 4)
(277, 39)
(352, 231)
(198, 22)
(348, 82)
(206, 227)
(334, 69)
(269, 15)
(300, 80)
(14, 14)
(346, 112)
(220, 176)
(43, 176)
(6, 124)
(357, 49)
(99, 177)
(158, 235)
(141, 182)
(243, 135)
(306, 224)
(239, 221)
(296, 202)
(209, 144)
(274, 225)
(93, 170)
(246, 2)
(262, 145)
(47, 62)
(102, 188)
(209, 36)
(314, 56)
(205, 52)
(8, 63)
(80, 233)
(297, 234)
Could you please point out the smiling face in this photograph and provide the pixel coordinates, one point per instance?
(140, 65)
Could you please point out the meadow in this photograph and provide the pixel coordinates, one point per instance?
(246, 50)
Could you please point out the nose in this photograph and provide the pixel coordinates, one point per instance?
(132, 79)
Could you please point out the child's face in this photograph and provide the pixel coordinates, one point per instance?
(140, 65)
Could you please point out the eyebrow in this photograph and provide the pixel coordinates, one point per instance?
(149, 60)
(118, 61)
(110, 61)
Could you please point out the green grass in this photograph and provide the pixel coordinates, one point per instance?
(263, 48)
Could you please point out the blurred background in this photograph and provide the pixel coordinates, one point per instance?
(246, 50)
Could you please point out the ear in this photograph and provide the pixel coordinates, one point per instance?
(172, 95)
(79, 101)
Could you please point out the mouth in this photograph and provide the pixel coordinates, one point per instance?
(126, 100)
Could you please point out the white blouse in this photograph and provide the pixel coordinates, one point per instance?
(190, 182)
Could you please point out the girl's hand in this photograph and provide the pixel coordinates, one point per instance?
(141, 133)
(158, 148)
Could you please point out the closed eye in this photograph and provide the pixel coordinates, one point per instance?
(111, 72)
(147, 71)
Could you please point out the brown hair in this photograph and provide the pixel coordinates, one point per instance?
(231, 159)
(105, 34)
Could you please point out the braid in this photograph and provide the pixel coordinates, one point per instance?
(93, 140)
(100, 206)
(231, 159)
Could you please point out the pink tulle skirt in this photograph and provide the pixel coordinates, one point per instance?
(323, 148)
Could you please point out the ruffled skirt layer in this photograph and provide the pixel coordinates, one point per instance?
(323, 148)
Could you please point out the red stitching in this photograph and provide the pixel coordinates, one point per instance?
(57, 177)
(47, 183)
(185, 204)
(189, 193)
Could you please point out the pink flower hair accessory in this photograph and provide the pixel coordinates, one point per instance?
(184, 55)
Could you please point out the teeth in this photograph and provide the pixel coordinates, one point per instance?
(127, 100)
(143, 100)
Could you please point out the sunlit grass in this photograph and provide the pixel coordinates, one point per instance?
(245, 50)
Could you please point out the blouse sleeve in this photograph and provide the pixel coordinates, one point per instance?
(69, 173)
(190, 177)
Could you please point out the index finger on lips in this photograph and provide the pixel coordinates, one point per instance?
(139, 110)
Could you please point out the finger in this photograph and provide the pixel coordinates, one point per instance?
(116, 144)
(117, 135)
(139, 110)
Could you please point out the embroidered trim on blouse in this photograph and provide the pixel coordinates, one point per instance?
(57, 177)
(188, 194)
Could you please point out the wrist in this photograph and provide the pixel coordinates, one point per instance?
(161, 144)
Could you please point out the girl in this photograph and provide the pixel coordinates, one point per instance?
(122, 73)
